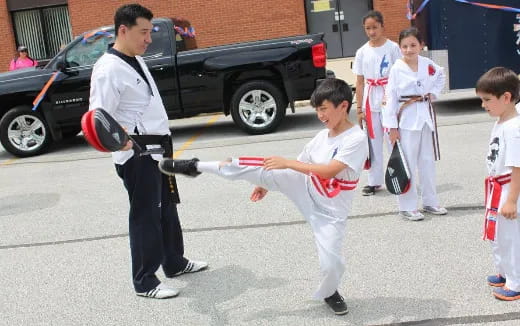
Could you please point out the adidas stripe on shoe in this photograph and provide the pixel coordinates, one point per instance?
(161, 291)
(193, 266)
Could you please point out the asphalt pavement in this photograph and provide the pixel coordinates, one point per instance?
(64, 256)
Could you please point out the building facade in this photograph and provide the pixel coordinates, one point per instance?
(46, 25)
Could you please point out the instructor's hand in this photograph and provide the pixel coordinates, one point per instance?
(394, 135)
(258, 194)
(128, 146)
(275, 163)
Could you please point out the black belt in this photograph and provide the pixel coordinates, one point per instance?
(165, 141)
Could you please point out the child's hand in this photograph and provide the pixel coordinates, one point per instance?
(258, 194)
(509, 210)
(275, 163)
(361, 118)
(394, 135)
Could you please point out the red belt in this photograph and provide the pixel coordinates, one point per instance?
(331, 187)
(368, 113)
(493, 189)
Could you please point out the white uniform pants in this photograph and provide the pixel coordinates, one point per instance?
(376, 172)
(329, 231)
(418, 151)
(506, 251)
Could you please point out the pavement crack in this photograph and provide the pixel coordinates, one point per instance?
(465, 320)
(222, 228)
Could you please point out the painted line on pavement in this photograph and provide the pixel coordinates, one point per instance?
(226, 228)
(190, 141)
(465, 320)
(7, 162)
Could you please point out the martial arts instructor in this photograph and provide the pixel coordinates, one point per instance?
(122, 85)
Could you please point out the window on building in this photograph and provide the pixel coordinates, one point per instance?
(44, 31)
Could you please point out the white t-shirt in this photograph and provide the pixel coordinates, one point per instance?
(375, 63)
(504, 151)
(351, 148)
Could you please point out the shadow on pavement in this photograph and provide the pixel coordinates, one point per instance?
(209, 290)
(366, 311)
(18, 204)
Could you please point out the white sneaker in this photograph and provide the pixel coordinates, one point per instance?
(161, 291)
(412, 215)
(435, 210)
(192, 267)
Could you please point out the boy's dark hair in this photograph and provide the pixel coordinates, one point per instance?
(127, 15)
(375, 15)
(333, 90)
(412, 31)
(499, 80)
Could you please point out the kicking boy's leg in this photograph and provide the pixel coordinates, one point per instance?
(329, 235)
(289, 182)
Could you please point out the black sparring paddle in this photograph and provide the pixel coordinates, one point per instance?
(397, 176)
(105, 134)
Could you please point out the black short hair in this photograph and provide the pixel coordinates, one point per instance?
(375, 15)
(127, 15)
(333, 90)
(411, 31)
(499, 80)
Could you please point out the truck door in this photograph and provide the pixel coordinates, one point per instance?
(70, 95)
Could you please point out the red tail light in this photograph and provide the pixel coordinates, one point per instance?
(319, 55)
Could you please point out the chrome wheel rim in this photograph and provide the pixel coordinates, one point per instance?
(257, 108)
(26, 133)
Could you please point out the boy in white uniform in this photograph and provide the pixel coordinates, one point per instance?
(372, 65)
(415, 80)
(319, 182)
(499, 90)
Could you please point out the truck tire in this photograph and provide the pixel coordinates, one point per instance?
(24, 132)
(258, 107)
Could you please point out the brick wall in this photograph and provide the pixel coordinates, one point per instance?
(215, 22)
(394, 13)
(89, 14)
(229, 21)
(7, 43)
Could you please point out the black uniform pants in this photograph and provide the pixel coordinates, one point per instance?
(154, 227)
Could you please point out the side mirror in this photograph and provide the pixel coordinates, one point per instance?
(61, 64)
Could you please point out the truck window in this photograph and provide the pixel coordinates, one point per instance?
(87, 52)
(160, 37)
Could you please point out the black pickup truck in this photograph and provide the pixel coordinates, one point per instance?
(254, 82)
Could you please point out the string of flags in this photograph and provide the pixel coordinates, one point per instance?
(96, 35)
(410, 15)
(185, 32)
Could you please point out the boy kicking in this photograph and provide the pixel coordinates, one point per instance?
(319, 182)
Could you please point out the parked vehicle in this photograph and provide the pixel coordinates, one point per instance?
(254, 82)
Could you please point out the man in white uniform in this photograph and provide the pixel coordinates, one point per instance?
(122, 85)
